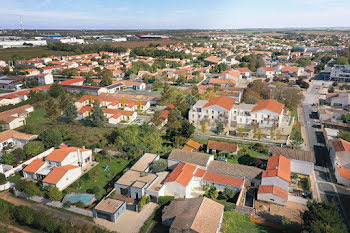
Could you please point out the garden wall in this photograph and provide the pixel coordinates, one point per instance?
(296, 199)
(20, 166)
(7, 186)
(56, 204)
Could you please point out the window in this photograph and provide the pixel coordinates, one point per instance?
(261, 121)
(212, 117)
(212, 112)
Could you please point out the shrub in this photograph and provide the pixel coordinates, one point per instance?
(33, 148)
(2, 179)
(80, 204)
(229, 206)
(67, 204)
(54, 194)
(165, 200)
(51, 137)
(144, 200)
(28, 187)
(159, 165)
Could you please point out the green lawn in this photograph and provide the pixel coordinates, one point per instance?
(15, 178)
(27, 53)
(103, 179)
(235, 222)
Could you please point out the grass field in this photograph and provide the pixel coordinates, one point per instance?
(102, 178)
(27, 53)
(239, 223)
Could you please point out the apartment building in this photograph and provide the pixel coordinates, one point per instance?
(340, 73)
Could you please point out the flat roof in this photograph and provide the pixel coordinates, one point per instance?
(109, 205)
(144, 162)
(134, 177)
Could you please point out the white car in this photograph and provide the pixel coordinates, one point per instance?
(150, 112)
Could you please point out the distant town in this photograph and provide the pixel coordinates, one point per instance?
(175, 131)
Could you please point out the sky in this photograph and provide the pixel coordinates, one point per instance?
(173, 14)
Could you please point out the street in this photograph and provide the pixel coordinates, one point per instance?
(328, 189)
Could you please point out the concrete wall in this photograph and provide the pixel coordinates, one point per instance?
(269, 197)
(296, 199)
(175, 189)
(302, 167)
(20, 166)
(276, 181)
(7, 186)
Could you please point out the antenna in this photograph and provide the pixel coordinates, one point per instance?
(21, 23)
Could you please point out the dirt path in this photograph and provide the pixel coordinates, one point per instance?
(40, 207)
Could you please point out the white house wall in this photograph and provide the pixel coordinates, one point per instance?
(276, 181)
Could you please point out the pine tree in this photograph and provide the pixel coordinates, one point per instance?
(52, 109)
(97, 117)
(70, 112)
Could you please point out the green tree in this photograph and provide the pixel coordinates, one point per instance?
(203, 126)
(219, 128)
(166, 94)
(52, 109)
(342, 61)
(195, 91)
(97, 117)
(56, 90)
(8, 158)
(190, 100)
(107, 78)
(212, 193)
(323, 217)
(54, 194)
(2, 125)
(24, 215)
(70, 113)
(228, 193)
(51, 137)
(33, 148)
(159, 165)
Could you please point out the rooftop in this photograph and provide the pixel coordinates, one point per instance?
(231, 169)
(144, 162)
(222, 146)
(109, 205)
(190, 157)
(293, 153)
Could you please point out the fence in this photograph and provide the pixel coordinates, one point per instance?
(56, 204)
(7, 186)
(20, 166)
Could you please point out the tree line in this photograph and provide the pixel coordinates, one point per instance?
(91, 48)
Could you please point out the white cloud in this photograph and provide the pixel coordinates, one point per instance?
(122, 9)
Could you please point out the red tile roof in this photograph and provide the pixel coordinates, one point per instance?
(221, 101)
(182, 174)
(57, 174)
(341, 145)
(222, 146)
(187, 148)
(343, 172)
(199, 172)
(71, 81)
(243, 70)
(192, 143)
(278, 165)
(273, 190)
(59, 155)
(34, 166)
(222, 179)
(269, 104)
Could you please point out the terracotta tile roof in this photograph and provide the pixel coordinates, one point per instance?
(221, 101)
(243, 70)
(71, 81)
(212, 59)
(278, 165)
(85, 109)
(341, 145)
(230, 72)
(165, 113)
(182, 174)
(187, 148)
(269, 68)
(269, 104)
(222, 81)
(192, 143)
(6, 135)
(199, 172)
(293, 153)
(223, 179)
(274, 190)
(59, 155)
(34, 166)
(222, 146)
(343, 172)
(57, 174)
(290, 69)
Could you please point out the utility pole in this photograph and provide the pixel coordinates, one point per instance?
(21, 23)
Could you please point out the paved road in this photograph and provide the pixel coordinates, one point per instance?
(328, 190)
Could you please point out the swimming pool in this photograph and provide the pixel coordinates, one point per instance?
(80, 197)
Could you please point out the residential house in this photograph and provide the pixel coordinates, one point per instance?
(109, 209)
(212, 60)
(268, 72)
(16, 117)
(60, 168)
(192, 145)
(275, 180)
(14, 138)
(291, 71)
(244, 72)
(338, 99)
(139, 180)
(225, 147)
(222, 82)
(45, 79)
(339, 152)
(201, 215)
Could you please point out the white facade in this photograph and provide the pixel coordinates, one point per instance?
(46, 79)
(19, 43)
(340, 72)
(68, 178)
(270, 197)
(276, 181)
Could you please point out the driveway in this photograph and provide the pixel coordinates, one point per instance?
(129, 221)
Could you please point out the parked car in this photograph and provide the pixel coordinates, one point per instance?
(139, 121)
(150, 112)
